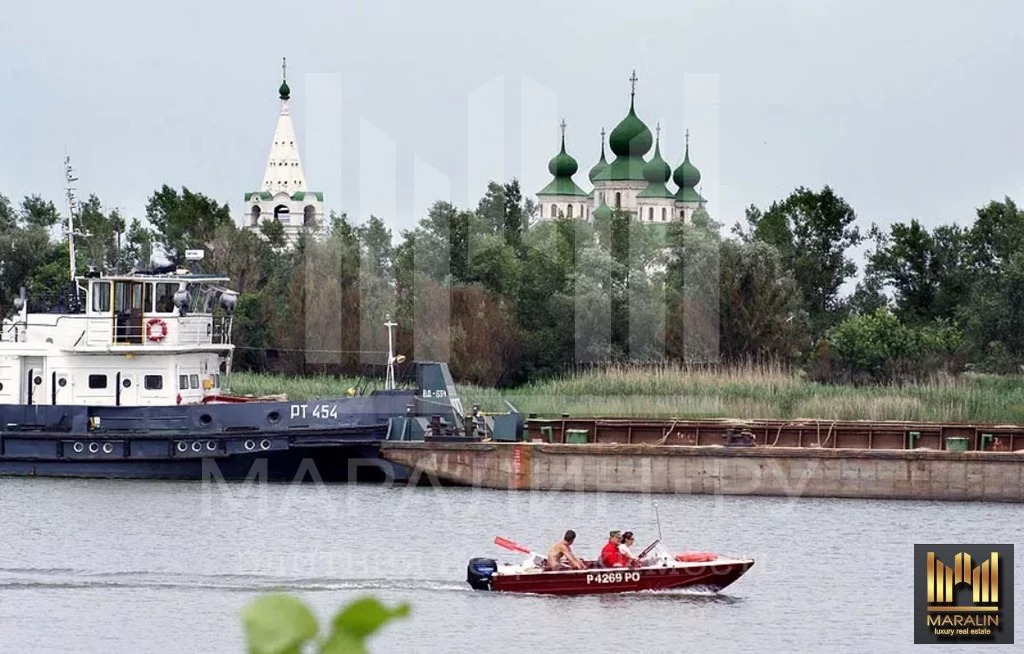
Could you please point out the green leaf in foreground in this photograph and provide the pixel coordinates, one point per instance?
(278, 624)
(358, 621)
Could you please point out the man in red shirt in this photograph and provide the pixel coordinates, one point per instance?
(611, 557)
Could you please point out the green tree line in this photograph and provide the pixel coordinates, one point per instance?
(505, 298)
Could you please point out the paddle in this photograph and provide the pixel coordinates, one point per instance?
(516, 547)
(509, 545)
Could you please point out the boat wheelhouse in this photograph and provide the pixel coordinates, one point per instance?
(152, 338)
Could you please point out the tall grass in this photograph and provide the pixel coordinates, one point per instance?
(756, 390)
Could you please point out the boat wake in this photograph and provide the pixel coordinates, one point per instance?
(66, 578)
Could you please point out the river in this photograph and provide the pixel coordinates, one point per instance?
(97, 566)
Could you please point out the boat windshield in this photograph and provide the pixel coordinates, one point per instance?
(656, 554)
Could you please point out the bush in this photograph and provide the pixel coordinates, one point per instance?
(879, 347)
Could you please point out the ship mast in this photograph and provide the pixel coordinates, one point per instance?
(69, 177)
(74, 299)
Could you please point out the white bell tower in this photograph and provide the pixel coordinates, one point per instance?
(283, 196)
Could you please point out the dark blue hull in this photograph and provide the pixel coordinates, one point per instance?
(327, 440)
(322, 464)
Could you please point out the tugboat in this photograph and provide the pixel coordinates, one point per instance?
(130, 378)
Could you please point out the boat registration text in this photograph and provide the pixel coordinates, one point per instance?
(316, 411)
(612, 577)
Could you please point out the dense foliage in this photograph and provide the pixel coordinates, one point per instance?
(505, 301)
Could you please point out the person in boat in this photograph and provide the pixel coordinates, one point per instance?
(611, 557)
(165, 303)
(560, 556)
(624, 548)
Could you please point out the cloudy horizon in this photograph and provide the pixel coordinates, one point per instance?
(905, 114)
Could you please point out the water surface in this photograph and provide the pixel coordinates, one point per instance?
(104, 566)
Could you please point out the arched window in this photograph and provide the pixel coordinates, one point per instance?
(541, 207)
(663, 214)
(309, 216)
(281, 213)
(618, 200)
(254, 215)
(554, 211)
(650, 214)
(569, 211)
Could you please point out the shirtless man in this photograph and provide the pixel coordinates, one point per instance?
(560, 556)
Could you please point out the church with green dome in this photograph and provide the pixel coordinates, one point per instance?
(629, 182)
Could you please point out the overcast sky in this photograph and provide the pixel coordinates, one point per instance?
(908, 109)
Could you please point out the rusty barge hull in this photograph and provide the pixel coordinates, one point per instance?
(803, 433)
(774, 471)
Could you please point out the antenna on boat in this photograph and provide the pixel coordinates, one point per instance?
(657, 517)
(389, 383)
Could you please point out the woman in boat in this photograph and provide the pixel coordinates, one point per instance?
(627, 542)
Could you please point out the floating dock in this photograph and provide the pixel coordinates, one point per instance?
(892, 460)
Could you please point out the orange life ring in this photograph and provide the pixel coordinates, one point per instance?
(696, 557)
(156, 329)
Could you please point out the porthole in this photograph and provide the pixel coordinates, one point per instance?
(62, 382)
(205, 419)
(273, 417)
(182, 446)
(1, 386)
(264, 444)
(79, 447)
(108, 448)
(94, 447)
(211, 445)
(38, 380)
(127, 383)
(197, 446)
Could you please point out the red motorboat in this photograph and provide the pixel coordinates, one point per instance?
(659, 570)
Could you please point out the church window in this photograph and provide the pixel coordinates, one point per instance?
(309, 216)
(663, 214)
(650, 214)
(570, 211)
(541, 211)
(254, 215)
(618, 200)
(554, 211)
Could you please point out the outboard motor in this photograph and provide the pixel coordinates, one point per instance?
(479, 572)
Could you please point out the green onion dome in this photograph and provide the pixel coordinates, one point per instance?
(603, 212)
(657, 170)
(562, 164)
(686, 175)
(631, 137)
(601, 164)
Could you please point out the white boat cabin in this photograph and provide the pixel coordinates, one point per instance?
(139, 340)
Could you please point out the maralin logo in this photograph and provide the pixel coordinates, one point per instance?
(963, 593)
